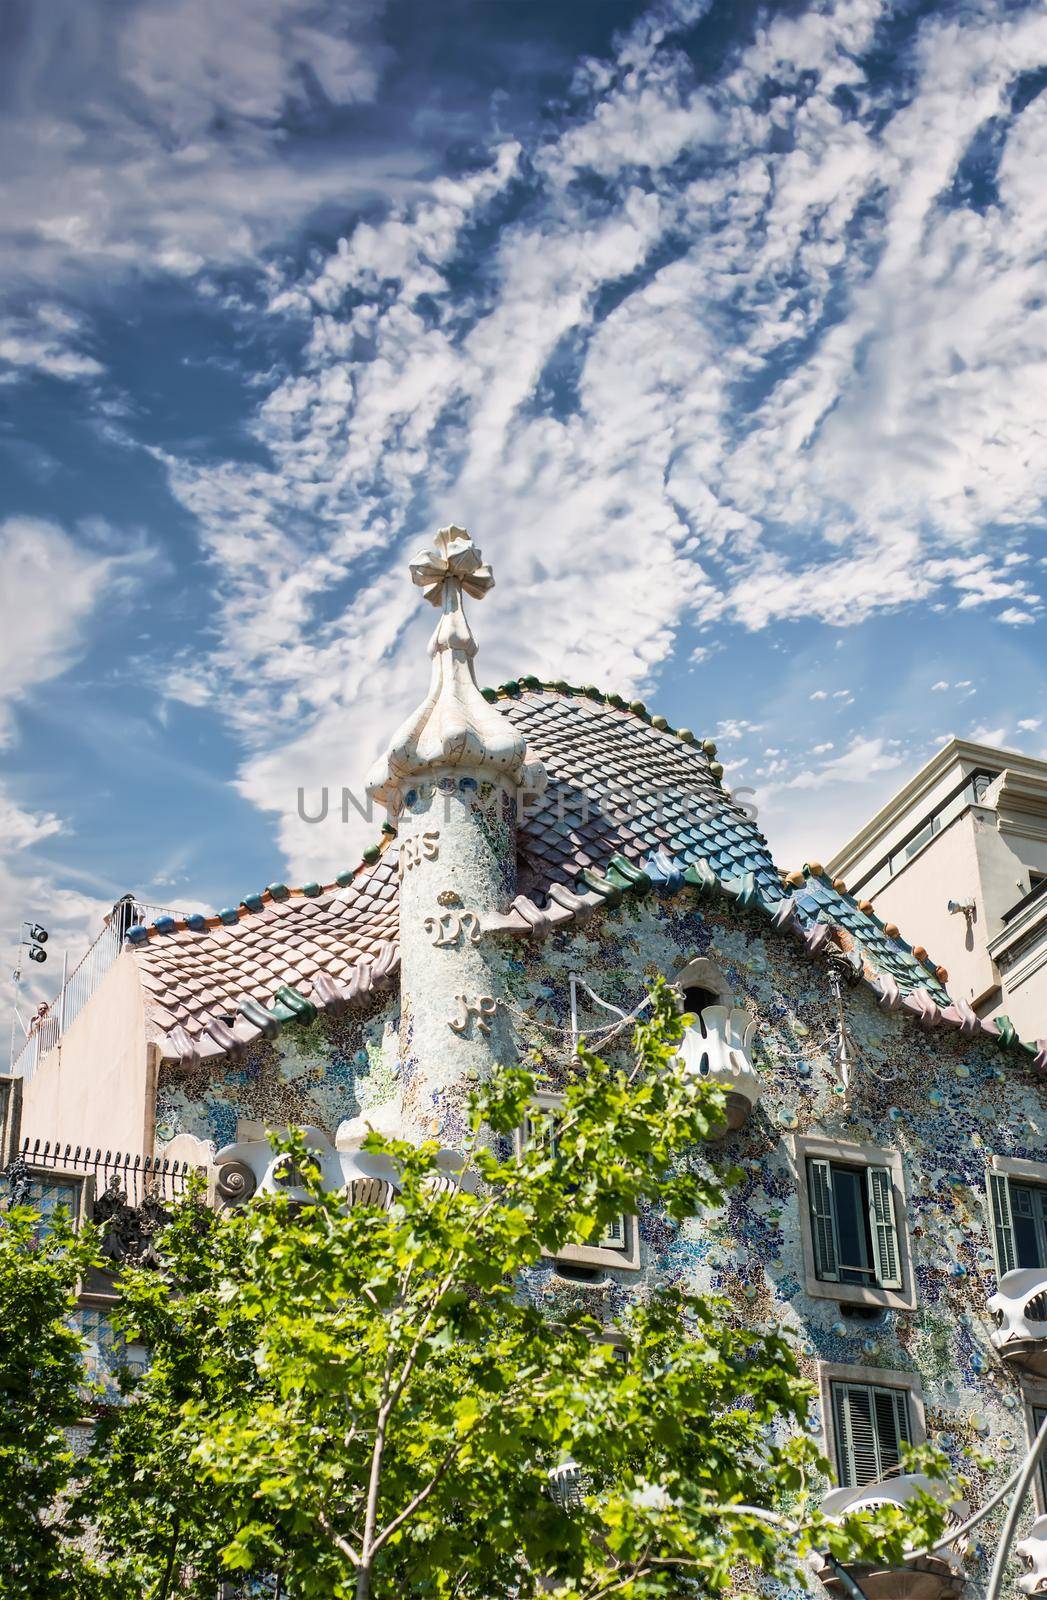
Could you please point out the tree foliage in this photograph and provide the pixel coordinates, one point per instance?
(357, 1402)
(41, 1396)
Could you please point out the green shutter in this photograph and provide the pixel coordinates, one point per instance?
(1002, 1223)
(891, 1410)
(884, 1229)
(823, 1221)
(857, 1456)
(1039, 1417)
(613, 1236)
(871, 1425)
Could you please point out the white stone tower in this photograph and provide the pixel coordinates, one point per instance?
(452, 779)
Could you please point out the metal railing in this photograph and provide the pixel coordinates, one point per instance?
(136, 1175)
(1037, 892)
(44, 1033)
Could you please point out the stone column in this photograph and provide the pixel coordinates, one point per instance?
(451, 779)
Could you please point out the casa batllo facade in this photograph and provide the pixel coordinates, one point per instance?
(548, 852)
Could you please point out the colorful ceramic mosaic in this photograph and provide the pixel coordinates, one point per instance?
(105, 1356)
(943, 1102)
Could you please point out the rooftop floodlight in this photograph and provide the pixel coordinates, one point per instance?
(36, 954)
(38, 933)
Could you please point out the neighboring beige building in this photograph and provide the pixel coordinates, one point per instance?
(960, 855)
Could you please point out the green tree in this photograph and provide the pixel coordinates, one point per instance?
(360, 1403)
(42, 1393)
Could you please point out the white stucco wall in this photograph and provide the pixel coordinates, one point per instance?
(97, 1087)
(917, 898)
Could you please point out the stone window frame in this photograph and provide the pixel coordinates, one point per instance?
(801, 1147)
(85, 1201)
(830, 1372)
(1008, 1167)
(10, 1116)
(85, 1182)
(589, 1255)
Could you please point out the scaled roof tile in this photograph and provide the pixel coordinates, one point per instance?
(616, 786)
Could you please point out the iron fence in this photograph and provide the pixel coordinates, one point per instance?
(136, 1175)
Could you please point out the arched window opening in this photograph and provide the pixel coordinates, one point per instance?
(696, 998)
(702, 984)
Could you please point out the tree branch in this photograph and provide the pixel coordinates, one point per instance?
(422, 1496)
(336, 1539)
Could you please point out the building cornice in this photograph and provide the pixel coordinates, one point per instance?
(1025, 773)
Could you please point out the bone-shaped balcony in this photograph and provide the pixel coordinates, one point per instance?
(1033, 1551)
(367, 1177)
(932, 1577)
(1020, 1308)
(717, 1048)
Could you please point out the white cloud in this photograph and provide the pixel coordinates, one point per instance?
(1016, 616)
(52, 584)
(1029, 724)
(47, 340)
(736, 728)
(53, 588)
(941, 684)
(861, 760)
(189, 687)
(838, 796)
(646, 122)
(148, 137)
(28, 890)
(566, 385)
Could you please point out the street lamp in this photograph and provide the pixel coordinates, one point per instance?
(35, 939)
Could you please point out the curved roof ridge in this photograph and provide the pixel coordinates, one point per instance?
(197, 921)
(252, 904)
(513, 690)
(589, 691)
(632, 805)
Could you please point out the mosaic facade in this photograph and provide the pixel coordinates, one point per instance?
(942, 1103)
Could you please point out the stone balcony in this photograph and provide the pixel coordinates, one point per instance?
(932, 1577)
(367, 1177)
(1020, 1308)
(1033, 1552)
(717, 1048)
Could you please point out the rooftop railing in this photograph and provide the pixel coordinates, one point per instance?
(1037, 892)
(45, 1031)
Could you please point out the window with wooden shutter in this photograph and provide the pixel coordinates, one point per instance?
(613, 1236)
(1018, 1209)
(1002, 1223)
(1029, 1221)
(823, 1220)
(617, 1243)
(884, 1228)
(871, 1427)
(855, 1224)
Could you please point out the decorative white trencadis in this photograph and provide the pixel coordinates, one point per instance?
(454, 727)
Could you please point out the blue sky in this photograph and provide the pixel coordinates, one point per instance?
(722, 328)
